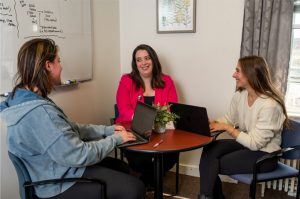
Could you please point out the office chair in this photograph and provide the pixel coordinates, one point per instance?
(26, 186)
(290, 150)
(113, 120)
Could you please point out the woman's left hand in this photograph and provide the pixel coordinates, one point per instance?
(119, 128)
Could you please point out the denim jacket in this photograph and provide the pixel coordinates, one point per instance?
(49, 144)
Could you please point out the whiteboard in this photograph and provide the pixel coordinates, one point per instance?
(68, 22)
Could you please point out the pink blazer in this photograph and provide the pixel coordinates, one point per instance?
(127, 96)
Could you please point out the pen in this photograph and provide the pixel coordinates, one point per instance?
(158, 143)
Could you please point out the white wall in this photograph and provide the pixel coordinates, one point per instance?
(90, 102)
(200, 63)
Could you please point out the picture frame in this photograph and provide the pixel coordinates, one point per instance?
(176, 16)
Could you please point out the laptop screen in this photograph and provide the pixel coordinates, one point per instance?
(191, 118)
(143, 119)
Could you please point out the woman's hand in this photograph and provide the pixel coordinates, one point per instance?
(126, 136)
(216, 126)
(119, 128)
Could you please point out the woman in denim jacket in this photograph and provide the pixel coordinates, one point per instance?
(48, 143)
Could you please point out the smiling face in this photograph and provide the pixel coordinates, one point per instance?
(241, 79)
(144, 63)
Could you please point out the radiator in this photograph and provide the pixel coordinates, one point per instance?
(287, 185)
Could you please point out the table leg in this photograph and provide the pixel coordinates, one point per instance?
(158, 176)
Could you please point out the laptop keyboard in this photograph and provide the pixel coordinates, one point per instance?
(138, 138)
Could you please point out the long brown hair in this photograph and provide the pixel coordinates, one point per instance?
(157, 80)
(31, 72)
(257, 72)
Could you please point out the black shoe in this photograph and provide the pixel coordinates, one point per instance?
(147, 180)
(202, 196)
(149, 188)
(219, 195)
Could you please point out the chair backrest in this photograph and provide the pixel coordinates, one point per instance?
(116, 111)
(23, 176)
(291, 138)
(113, 120)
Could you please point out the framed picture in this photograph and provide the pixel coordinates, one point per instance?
(176, 16)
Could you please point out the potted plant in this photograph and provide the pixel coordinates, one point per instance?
(163, 116)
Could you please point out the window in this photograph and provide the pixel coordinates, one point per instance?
(292, 97)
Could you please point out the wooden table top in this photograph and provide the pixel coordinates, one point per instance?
(172, 140)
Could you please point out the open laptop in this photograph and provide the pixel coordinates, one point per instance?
(142, 124)
(193, 119)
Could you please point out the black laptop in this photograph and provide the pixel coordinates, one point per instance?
(193, 119)
(142, 124)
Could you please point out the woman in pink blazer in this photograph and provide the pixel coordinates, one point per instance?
(128, 94)
(145, 83)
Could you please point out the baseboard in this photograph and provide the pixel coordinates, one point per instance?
(190, 170)
(193, 170)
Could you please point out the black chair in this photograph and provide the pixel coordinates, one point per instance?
(116, 111)
(26, 186)
(290, 150)
(113, 120)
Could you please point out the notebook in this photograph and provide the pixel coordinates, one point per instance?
(142, 124)
(193, 119)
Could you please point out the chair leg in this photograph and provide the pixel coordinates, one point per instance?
(252, 193)
(122, 155)
(116, 153)
(177, 176)
(298, 187)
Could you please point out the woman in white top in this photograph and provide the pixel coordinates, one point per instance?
(255, 120)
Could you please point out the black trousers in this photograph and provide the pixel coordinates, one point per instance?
(143, 163)
(227, 157)
(119, 184)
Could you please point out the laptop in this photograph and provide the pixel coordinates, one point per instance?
(142, 124)
(193, 119)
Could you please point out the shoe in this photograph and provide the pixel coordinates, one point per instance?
(147, 180)
(202, 196)
(149, 188)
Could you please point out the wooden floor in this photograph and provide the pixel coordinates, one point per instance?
(189, 188)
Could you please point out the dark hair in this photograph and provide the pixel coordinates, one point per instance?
(31, 72)
(157, 80)
(257, 72)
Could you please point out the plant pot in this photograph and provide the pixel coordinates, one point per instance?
(159, 128)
